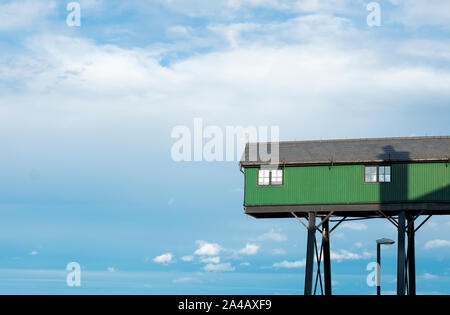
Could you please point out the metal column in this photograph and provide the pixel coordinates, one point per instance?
(401, 255)
(378, 269)
(326, 257)
(309, 270)
(411, 257)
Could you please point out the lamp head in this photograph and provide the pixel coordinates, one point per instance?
(385, 241)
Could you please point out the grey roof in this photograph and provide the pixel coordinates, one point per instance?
(352, 151)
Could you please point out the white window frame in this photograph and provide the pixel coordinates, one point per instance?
(264, 177)
(262, 180)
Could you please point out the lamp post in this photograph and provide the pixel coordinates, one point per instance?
(383, 241)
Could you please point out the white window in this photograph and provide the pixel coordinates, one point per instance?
(263, 177)
(377, 174)
(371, 174)
(270, 177)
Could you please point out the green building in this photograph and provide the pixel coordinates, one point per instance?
(363, 178)
(357, 176)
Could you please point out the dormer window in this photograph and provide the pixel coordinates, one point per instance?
(267, 177)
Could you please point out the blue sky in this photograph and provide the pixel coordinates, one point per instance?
(86, 115)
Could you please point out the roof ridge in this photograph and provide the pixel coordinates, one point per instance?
(354, 140)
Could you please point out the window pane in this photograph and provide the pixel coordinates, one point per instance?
(381, 177)
(263, 177)
(277, 181)
(277, 177)
(388, 173)
(371, 178)
(385, 174)
(371, 174)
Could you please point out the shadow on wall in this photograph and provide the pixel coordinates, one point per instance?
(397, 188)
(442, 194)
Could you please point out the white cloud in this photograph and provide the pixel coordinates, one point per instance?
(196, 8)
(184, 280)
(34, 253)
(273, 4)
(245, 264)
(418, 13)
(426, 49)
(344, 255)
(207, 249)
(272, 236)
(429, 276)
(230, 9)
(227, 9)
(249, 249)
(111, 269)
(19, 14)
(256, 73)
(354, 226)
(210, 260)
(91, 4)
(432, 225)
(367, 255)
(219, 267)
(164, 259)
(290, 264)
(437, 244)
(307, 28)
(326, 6)
(177, 31)
(279, 251)
(188, 258)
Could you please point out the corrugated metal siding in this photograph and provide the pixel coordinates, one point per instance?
(345, 184)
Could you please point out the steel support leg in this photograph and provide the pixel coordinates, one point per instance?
(411, 257)
(378, 269)
(401, 255)
(309, 269)
(326, 257)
